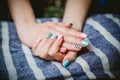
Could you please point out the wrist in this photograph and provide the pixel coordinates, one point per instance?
(22, 25)
(77, 27)
(26, 33)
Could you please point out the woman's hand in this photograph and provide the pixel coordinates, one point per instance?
(29, 31)
(32, 32)
(49, 48)
(71, 55)
(36, 31)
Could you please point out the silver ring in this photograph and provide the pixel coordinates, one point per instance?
(50, 35)
(78, 46)
(53, 36)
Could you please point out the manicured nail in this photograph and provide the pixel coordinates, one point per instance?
(60, 37)
(63, 50)
(66, 63)
(38, 40)
(83, 35)
(84, 43)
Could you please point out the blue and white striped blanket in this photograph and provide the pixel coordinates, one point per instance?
(101, 61)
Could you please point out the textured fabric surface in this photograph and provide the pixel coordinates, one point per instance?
(101, 61)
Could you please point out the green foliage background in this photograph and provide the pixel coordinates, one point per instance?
(42, 8)
(55, 8)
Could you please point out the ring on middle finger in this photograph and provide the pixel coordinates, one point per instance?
(51, 35)
(48, 35)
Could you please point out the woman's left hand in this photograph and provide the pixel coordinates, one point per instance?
(70, 55)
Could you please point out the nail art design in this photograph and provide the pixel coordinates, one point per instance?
(66, 63)
(84, 43)
(59, 37)
(83, 35)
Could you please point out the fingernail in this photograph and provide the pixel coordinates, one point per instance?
(83, 35)
(84, 43)
(38, 40)
(66, 63)
(60, 37)
(63, 50)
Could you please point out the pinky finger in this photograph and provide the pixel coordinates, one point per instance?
(34, 46)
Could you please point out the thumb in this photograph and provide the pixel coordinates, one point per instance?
(69, 57)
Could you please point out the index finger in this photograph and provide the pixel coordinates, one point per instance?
(69, 31)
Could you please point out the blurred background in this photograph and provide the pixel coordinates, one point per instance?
(55, 8)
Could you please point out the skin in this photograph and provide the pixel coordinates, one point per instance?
(75, 12)
(25, 21)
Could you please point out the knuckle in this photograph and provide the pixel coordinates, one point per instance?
(35, 53)
(43, 56)
(76, 49)
(51, 54)
(59, 58)
(75, 40)
(65, 30)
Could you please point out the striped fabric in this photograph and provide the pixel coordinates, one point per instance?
(100, 61)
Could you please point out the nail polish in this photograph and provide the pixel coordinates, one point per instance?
(63, 50)
(83, 35)
(38, 40)
(84, 43)
(59, 37)
(66, 63)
